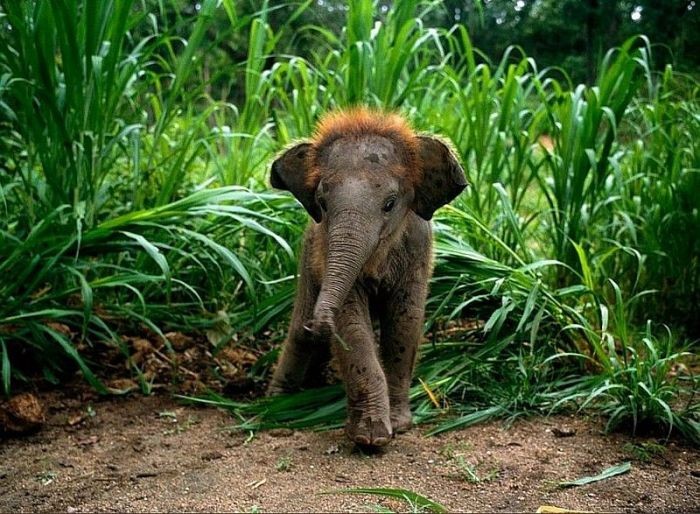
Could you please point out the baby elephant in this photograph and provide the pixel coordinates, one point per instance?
(371, 185)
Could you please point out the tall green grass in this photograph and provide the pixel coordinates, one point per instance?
(103, 216)
(120, 187)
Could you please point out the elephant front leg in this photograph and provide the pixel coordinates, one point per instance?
(354, 347)
(401, 332)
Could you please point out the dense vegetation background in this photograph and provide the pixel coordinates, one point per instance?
(134, 143)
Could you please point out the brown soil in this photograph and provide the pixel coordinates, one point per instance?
(154, 454)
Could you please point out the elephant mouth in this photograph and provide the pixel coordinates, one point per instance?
(321, 327)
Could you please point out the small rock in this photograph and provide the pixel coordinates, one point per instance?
(75, 419)
(88, 441)
(695, 473)
(332, 449)
(563, 431)
(214, 455)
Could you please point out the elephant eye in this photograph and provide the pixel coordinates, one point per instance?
(322, 204)
(389, 204)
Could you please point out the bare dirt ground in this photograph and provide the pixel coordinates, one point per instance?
(154, 454)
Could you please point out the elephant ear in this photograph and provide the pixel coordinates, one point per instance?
(290, 171)
(442, 178)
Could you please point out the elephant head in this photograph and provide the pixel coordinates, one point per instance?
(362, 175)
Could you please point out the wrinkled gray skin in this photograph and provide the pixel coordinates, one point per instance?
(367, 258)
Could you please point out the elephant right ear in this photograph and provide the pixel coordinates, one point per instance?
(443, 177)
(290, 172)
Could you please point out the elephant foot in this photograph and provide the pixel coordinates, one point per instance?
(278, 387)
(275, 391)
(401, 419)
(369, 430)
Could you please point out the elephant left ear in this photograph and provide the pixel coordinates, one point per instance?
(290, 172)
(442, 178)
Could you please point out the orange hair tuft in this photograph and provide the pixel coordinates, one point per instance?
(359, 121)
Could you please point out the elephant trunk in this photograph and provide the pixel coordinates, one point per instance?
(350, 244)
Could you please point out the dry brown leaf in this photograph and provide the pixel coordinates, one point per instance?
(179, 341)
(121, 385)
(551, 509)
(22, 413)
(142, 345)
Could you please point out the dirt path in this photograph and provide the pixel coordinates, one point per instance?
(153, 454)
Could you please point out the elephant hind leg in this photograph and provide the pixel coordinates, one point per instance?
(302, 365)
(316, 372)
(292, 368)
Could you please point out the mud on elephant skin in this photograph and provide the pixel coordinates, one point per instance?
(371, 185)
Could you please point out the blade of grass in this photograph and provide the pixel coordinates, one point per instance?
(610, 472)
(414, 499)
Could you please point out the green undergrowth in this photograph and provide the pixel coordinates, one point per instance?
(134, 151)
(458, 386)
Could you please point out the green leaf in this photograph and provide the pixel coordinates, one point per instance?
(414, 499)
(5, 368)
(608, 473)
(73, 353)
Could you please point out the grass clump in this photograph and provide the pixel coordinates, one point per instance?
(642, 384)
(284, 463)
(644, 452)
(470, 472)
